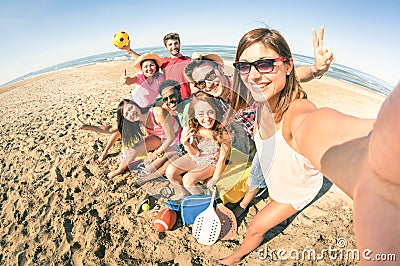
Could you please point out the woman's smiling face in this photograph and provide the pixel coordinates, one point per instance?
(149, 67)
(213, 78)
(131, 112)
(264, 86)
(205, 114)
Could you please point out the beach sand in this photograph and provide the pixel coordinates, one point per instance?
(59, 208)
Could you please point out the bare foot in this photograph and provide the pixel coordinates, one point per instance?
(178, 197)
(100, 159)
(113, 173)
(228, 261)
(142, 180)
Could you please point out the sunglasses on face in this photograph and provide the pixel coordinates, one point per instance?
(169, 97)
(262, 65)
(201, 84)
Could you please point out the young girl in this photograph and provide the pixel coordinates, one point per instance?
(207, 143)
(162, 133)
(358, 156)
(145, 92)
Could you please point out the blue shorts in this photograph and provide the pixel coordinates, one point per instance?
(179, 149)
(256, 178)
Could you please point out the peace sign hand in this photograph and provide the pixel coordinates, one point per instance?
(323, 55)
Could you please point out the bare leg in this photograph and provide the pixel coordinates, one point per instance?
(192, 178)
(111, 141)
(158, 172)
(149, 142)
(251, 193)
(169, 154)
(174, 171)
(267, 218)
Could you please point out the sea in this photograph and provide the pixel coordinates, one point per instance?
(337, 71)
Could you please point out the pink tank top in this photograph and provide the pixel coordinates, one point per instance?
(158, 131)
(144, 94)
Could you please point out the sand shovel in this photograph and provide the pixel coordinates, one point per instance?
(207, 226)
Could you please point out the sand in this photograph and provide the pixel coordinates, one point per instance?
(57, 207)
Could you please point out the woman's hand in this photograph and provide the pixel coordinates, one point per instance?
(186, 134)
(81, 124)
(323, 54)
(213, 181)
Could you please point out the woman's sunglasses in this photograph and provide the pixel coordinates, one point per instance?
(262, 65)
(201, 84)
(169, 97)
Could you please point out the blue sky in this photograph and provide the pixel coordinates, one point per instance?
(41, 33)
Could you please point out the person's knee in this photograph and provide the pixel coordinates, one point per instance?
(171, 172)
(255, 229)
(188, 182)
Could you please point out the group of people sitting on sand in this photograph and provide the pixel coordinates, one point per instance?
(186, 115)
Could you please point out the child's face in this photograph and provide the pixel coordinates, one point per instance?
(149, 67)
(131, 112)
(205, 114)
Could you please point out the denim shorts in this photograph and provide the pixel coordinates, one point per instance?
(179, 149)
(256, 177)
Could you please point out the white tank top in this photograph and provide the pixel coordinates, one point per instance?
(290, 177)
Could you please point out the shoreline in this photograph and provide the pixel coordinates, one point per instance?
(228, 63)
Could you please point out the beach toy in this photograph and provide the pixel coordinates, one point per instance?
(145, 207)
(120, 39)
(165, 220)
(207, 225)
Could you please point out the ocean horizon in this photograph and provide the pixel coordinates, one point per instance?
(227, 53)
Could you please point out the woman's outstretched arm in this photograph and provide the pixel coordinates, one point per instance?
(362, 157)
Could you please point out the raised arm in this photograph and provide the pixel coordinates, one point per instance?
(107, 129)
(133, 54)
(323, 59)
(128, 80)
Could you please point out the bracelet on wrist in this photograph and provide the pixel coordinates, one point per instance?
(313, 75)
